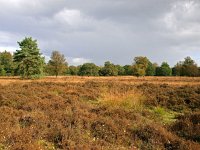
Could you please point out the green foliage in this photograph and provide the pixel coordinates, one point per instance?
(89, 69)
(140, 66)
(6, 60)
(28, 63)
(189, 68)
(186, 68)
(73, 70)
(128, 70)
(177, 69)
(138, 70)
(28, 59)
(151, 69)
(57, 65)
(164, 70)
(164, 115)
(121, 70)
(109, 69)
(2, 71)
(143, 61)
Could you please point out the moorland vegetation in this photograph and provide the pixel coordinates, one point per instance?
(99, 115)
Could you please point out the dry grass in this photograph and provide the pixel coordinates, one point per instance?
(176, 81)
(122, 98)
(99, 113)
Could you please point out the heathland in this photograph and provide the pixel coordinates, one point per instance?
(100, 113)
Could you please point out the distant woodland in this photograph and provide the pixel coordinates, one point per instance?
(28, 62)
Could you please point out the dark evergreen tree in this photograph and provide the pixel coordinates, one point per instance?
(28, 59)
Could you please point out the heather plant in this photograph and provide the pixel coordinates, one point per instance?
(97, 114)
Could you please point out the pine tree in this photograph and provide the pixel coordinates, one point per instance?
(28, 59)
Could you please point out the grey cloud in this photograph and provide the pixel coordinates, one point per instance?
(116, 30)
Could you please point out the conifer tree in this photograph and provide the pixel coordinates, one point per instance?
(28, 59)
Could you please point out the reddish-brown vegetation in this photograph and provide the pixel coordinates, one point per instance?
(97, 114)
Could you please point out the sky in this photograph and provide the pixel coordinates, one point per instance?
(101, 30)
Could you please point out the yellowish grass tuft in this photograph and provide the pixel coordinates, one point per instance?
(131, 99)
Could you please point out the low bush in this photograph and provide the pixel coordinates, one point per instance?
(96, 115)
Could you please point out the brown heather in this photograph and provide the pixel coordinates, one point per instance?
(119, 113)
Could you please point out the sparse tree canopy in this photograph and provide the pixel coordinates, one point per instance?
(57, 64)
(28, 59)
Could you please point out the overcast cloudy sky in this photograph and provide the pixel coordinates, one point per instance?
(101, 30)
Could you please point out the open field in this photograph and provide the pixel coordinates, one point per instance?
(123, 79)
(119, 113)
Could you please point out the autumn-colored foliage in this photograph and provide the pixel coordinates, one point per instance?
(98, 114)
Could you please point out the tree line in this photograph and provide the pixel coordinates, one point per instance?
(28, 62)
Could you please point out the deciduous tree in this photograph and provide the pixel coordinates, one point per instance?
(89, 69)
(73, 70)
(57, 64)
(109, 69)
(140, 66)
(189, 68)
(177, 69)
(128, 70)
(164, 70)
(151, 69)
(121, 70)
(6, 61)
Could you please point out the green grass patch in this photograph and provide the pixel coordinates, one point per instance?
(163, 115)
